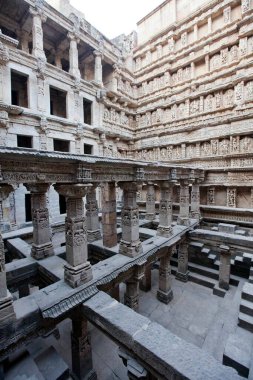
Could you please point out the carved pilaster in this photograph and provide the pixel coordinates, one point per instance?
(37, 30)
(165, 210)
(164, 293)
(73, 55)
(182, 270)
(195, 201)
(130, 244)
(77, 270)
(109, 215)
(42, 235)
(93, 228)
(98, 71)
(150, 202)
(183, 217)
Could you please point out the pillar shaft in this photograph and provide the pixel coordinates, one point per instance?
(130, 244)
(37, 31)
(78, 269)
(183, 217)
(42, 235)
(109, 215)
(225, 266)
(6, 305)
(73, 55)
(81, 349)
(195, 201)
(146, 284)
(182, 269)
(150, 202)
(98, 72)
(131, 298)
(165, 210)
(93, 227)
(164, 293)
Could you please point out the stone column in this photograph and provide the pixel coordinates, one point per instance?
(150, 202)
(165, 210)
(164, 293)
(109, 214)
(183, 217)
(130, 244)
(131, 297)
(224, 269)
(42, 235)
(195, 200)
(78, 269)
(98, 71)
(73, 55)
(145, 284)
(6, 305)
(38, 18)
(81, 349)
(93, 227)
(182, 269)
(24, 41)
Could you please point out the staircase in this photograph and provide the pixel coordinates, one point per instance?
(245, 319)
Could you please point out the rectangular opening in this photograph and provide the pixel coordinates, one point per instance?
(62, 204)
(28, 208)
(24, 141)
(58, 102)
(61, 145)
(87, 111)
(19, 92)
(87, 149)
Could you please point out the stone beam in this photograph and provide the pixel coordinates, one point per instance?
(145, 339)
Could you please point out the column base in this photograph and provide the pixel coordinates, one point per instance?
(223, 285)
(132, 302)
(79, 275)
(164, 231)
(93, 235)
(42, 251)
(150, 216)
(130, 249)
(183, 221)
(182, 276)
(164, 297)
(6, 309)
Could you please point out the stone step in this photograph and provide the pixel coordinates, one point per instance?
(51, 365)
(212, 257)
(239, 260)
(237, 352)
(202, 280)
(196, 244)
(205, 251)
(247, 292)
(246, 307)
(245, 321)
(247, 258)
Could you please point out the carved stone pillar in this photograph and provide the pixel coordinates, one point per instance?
(164, 293)
(182, 269)
(225, 265)
(183, 217)
(78, 269)
(73, 55)
(211, 196)
(109, 215)
(6, 306)
(150, 202)
(37, 30)
(81, 349)
(231, 197)
(98, 72)
(130, 244)
(195, 201)
(42, 235)
(145, 284)
(93, 228)
(131, 297)
(165, 210)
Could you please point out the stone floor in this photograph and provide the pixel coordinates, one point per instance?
(194, 314)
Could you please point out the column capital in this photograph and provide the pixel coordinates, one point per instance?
(73, 191)
(72, 36)
(98, 53)
(38, 11)
(39, 188)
